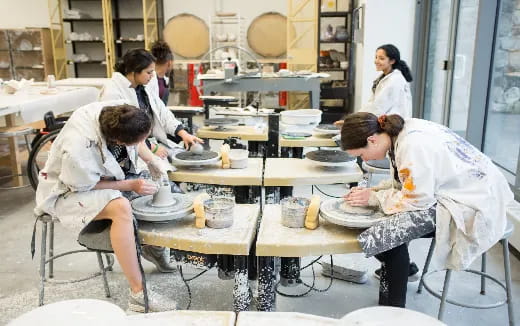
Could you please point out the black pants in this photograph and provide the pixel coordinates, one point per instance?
(395, 267)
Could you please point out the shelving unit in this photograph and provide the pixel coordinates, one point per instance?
(341, 84)
(26, 53)
(117, 25)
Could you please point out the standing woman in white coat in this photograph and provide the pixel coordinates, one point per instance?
(440, 183)
(129, 82)
(391, 90)
(83, 181)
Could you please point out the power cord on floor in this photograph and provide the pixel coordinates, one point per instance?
(188, 286)
(310, 287)
(314, 186)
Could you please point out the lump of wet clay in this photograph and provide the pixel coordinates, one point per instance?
(360, 210)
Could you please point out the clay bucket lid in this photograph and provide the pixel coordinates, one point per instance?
(267, 34)
(187, 35)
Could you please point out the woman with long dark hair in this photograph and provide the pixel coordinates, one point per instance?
(129, 82)
(439, 183)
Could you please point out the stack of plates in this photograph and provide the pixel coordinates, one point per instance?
(333, 212)
(326, 130)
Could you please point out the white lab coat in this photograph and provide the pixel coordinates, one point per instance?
(165, 123)
(437, 166)
(78, 158)
(392, 96)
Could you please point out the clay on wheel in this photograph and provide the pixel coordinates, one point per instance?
(361, 210)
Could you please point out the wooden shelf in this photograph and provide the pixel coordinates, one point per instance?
(335, 42)
(331, 69)
(334, 14)
(100, 62)
(84, 41)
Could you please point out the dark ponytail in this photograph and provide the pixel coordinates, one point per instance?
(135, 60)
(393, 53)
(357, 127)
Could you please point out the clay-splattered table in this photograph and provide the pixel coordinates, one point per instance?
(255, 318)
(236, 240)
(183, 318)
(294, 147)
(243, 132)
(276, 240)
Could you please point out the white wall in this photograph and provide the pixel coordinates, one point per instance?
(384, 22)
(24, 13)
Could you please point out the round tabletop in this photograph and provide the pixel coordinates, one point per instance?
(77, 312)
(381, 315)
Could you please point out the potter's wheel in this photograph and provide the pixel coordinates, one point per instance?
(177, 206)
(335, 211)
(220, 123)
(195, 160)
(329, 158)
(326, 130)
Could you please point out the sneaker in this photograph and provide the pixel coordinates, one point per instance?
(413, 275)
(156, 302)
(160, 257)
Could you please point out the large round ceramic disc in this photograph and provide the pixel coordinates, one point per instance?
(187, 35)
(182, 205)
(327, 129)
(192, 159)
(267, 34)
(329, 157)
(333, 210)
(220, 122)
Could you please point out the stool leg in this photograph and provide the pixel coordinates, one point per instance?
(110, 262)
(27, 143)
(51, 249)
(42, 263)
(442, 307)
(103, 273)
(482, 278)
(507, 271)
(426, 265)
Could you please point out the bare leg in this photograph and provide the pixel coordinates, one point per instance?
(123, 240)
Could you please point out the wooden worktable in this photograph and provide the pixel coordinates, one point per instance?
(258, 318)
(276, 240)
(297, 172)
(183, 235)
(214, 174)
(242, 132)
(311, 141)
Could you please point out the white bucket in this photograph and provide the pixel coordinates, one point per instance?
(238, 158)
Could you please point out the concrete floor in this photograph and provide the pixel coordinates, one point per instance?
(19, 277)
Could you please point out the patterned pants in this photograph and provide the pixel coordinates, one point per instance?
(388, 241)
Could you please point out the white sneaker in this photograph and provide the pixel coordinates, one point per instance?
(156, 302)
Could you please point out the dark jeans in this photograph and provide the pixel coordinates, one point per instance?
(395, 265)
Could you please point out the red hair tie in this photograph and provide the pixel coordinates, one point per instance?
(382, 120)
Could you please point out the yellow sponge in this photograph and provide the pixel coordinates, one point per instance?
(224, 152)
(311, 219)
(198, 207)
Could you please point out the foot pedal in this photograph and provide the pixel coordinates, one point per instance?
(344, 273)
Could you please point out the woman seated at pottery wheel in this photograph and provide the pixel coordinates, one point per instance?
(439, 183)
(128, 83)
(84, 180)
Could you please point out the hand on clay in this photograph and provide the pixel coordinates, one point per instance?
(144, 187)
(155, 167)
(358, 196)
(189, 139)
(339, 123)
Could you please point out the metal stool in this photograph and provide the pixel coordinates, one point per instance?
(10, 132)
(375, 167)
(48, 221)
(507, 286)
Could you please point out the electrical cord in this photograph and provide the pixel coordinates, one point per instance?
(314, 186)
(310, 287)
(187, 285)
